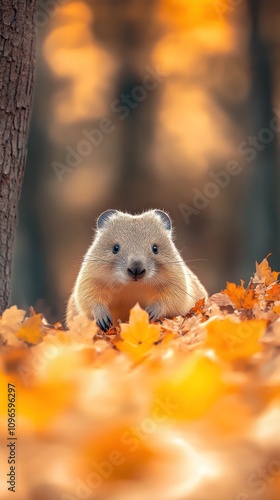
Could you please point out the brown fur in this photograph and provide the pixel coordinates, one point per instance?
(105, 291)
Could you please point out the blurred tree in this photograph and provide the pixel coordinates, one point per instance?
(93, 59)
(17, 61)
(128, 30)
(261, 211)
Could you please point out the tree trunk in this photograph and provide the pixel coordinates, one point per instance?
(261, 213)
(128, 29)
(17, 61)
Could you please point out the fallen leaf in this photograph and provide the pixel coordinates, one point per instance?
(30, 331)
(264, 274)
(276, 309)
(239, 296)
(80, 327)
(12, 318)
(273, 292)
(235, 339)
(198, 307)
(195, 385)
(138, 336)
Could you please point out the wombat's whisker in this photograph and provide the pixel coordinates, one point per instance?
(176, 287)
(197, 260)
(96, 260)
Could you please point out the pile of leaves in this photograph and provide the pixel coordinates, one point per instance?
(185, 408)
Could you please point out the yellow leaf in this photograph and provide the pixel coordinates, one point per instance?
(235, 340)
(30, 331)
(195, 385)
(138, 336)
(51, 399)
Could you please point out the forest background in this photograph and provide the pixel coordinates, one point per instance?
(152, 103)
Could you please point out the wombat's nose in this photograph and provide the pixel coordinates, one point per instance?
(136, 270)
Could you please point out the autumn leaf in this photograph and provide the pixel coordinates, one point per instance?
(12, 318)
(83, 401)
(139, 335)
(30, 331)
(236, 293)
(239, 296)
(51, 397)
(220, 300)
(273, 292)
(264, 274)
(234, 339)
(10, 322)
(198, 307)
(195, 385)
(231, 415)
(276, 309)
(115, 437)
(80, 327)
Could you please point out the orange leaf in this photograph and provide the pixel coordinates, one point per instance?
(240, 297)
(250, 299)
(116, 436)
(273, 292)
(235, 340)
(30, 330)
(264, 274)
(236, 294)
(276, 309)
(198, 307)
(138, 336)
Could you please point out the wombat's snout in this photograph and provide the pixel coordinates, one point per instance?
(136, 270)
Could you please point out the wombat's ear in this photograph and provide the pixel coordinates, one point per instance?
(104, 217)
(165, 219)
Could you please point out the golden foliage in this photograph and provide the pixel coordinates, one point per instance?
(138, 336)
(234, 339)
(148, 410)
(239, 296)
(30, 330)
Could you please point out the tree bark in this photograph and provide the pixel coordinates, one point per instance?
(17, 62)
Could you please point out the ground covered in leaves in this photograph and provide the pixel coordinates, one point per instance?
(187, 408)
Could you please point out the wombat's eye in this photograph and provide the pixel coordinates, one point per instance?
(155, 248)
(116, 248)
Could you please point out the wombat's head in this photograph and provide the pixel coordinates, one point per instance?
(133, 248)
